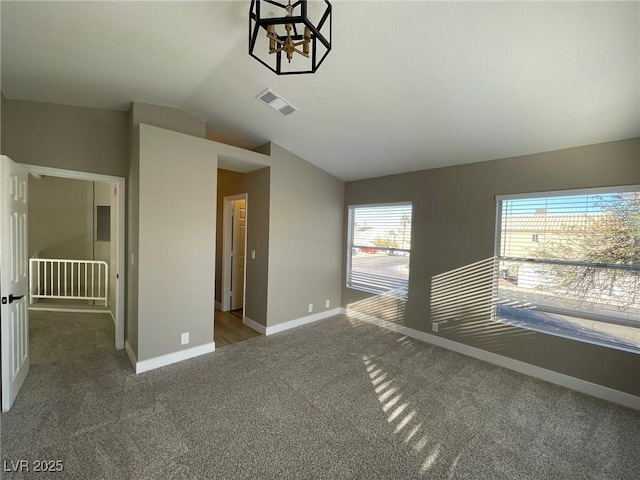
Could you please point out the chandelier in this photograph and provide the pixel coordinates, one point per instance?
(290, 38)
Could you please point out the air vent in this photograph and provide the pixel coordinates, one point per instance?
(287, 110)
(277, 103)
(268, 97)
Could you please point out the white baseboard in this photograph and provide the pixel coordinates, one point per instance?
(218, 305)
(175, 357)
(281, 327)
(550, 376)
(252, 324)
(132, 356)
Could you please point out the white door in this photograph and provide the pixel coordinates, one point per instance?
(14, 314)
(237, 255)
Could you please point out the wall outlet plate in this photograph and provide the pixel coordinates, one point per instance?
(184, 338)
(328, 303)
(434, 327)
(310, 307)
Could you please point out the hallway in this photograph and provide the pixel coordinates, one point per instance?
(228, 329)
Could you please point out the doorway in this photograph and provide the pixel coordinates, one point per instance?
(234, 244)
(230, 315)
(110, 220)
(17, 290)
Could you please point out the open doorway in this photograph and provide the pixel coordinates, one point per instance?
(18, 284)
(234, 254)
(76, 251)
(229, 325)
(242, 233)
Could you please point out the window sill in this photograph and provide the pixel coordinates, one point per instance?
(569, 335)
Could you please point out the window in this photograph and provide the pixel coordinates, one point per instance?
(581, 278)
(379, 248)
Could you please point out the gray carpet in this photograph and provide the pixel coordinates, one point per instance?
(59, 335)
(335, 399)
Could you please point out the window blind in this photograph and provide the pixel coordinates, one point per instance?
(569, 264)
(379, 248)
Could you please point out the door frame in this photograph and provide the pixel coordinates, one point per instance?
(119, 183)
(227, 226)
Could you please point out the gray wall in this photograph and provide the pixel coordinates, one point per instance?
(60, 218)
(172, 218)
(220, 137)
(133, 220)
(454, 225)
(256, 294)
(305, 237)
(169, 118)
(84, 139)
(176, 237)
(163, 117)
(256, 185)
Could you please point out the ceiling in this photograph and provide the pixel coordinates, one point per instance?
(407, 85)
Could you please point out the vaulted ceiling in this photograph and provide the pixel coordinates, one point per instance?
(407, 85)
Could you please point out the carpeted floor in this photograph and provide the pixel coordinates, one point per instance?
(58, 335)
(335, 399)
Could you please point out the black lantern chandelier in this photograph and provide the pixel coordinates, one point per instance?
(291, 38)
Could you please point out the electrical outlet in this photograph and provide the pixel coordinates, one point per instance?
(434, 327)
(184, 338)
(328, 303)
(310, 307)
(253, 254)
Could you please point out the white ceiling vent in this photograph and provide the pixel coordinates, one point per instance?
(277, 103)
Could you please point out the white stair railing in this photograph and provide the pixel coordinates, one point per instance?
(55, 278)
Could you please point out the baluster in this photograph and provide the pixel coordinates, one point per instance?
(106, 284)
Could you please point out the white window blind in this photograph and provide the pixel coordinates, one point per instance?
(379, 248)
(580, 277)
